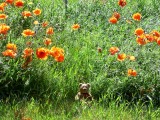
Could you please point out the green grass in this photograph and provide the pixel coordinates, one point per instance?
(46, 89)
(73, 111)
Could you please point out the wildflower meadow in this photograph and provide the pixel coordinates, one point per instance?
(47, 48)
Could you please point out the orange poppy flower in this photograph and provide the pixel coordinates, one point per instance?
(132, 72)
(121, 57)
(9, 1)
(4, 28)
(45, 24)
(28, 59)
(59, 58)
(37, 11)
(113, 20)
(42, 53)
(141, 40)
(47, 41)
(113, 50)
(139, 32)
(9, 53)
(1, 8)
(49, 31)
(2, 5)
(56, 51)
(150, 37)
(27, 55)
(75, 26)
(11, 46)
(27, 52)
(3, 16)
(28, 32)
(19, 3)
(132, 58)
(155, 33)
(122, 3)
(116, 15)
(137, 16)
(158, 41)
(26, 14)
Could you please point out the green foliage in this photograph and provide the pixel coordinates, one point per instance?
(83, 63)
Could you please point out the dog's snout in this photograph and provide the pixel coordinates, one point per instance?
(84, 88)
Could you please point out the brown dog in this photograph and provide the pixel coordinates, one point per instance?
(84, 93)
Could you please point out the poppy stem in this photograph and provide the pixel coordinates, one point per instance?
(65, 3)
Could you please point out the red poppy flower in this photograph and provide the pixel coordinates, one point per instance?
(19, 3)
(139, 32)
(42, 53)
(122, 3)
(9, 1)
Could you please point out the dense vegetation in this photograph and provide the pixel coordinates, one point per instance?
(84, 55)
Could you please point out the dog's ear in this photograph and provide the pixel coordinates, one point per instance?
(88, 85)
(80, 84)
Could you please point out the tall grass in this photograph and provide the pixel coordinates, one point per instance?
(58, 82)
(73, 111)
